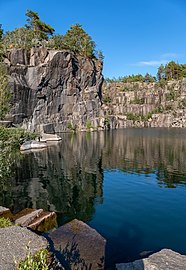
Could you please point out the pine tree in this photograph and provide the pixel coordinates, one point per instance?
(78, 41)
(161, 73)
(41, 29)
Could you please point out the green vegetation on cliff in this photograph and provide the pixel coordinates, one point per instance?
(78, 41)
(36, 32)
(4, 91)
(133, 78)
(171, 71)
(41, 29)
(4, 83)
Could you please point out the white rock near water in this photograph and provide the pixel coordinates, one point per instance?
(50, 137)
(40, 143)
(32, 145)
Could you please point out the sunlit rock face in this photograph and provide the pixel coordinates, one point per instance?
(143, 104)
(54, 90)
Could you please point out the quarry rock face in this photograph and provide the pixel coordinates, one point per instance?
(57, 91)
(142, 104)
(54, 89)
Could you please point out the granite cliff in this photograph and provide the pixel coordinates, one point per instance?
(58, 91)
(54, 91)
(142, 104)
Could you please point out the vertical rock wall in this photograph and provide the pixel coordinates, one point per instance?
(54, 91)
(57, 91)
(141, 104)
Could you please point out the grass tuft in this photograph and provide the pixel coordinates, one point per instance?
(5, 222)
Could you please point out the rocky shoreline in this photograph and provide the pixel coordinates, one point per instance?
(74, 244)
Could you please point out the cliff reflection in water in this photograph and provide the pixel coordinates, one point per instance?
(159, 151)
(68, 177)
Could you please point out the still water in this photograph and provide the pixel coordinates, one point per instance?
(130, 185)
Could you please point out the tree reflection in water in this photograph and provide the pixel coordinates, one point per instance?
(68, 177)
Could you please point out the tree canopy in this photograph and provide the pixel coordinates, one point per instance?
(78, 41)
(171, 71)
(37, 32)
(20, 38)
(41, 29)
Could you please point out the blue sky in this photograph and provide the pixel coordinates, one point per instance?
(135, 36)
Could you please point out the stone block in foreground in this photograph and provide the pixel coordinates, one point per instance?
(81, 246)
(166, 259)
(36, 219)
(14, 241)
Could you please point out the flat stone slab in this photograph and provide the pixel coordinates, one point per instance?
(44, 222)
(166, 259)
(13, 243)
(36, 219)
(50, 137)
(25, 220)
(32, 145)
(81, 247)
(5, 212)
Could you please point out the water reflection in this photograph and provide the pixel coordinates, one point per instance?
(68, 177)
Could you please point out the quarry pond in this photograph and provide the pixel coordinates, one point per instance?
(130, 185)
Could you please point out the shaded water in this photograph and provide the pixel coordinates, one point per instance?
(128, 184)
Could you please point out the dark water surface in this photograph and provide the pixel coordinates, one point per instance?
(128, 184)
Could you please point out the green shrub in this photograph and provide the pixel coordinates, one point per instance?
(107, 122)
(162, 83)
(34, 262)
(5, 222)
(88, 124)
(138, 116)
(133, 117)
(182, 103)
(15, 136)
(106, 99)
(172, 95)
(159, 109)
(139, 101)
(71, 126)
(126, 89)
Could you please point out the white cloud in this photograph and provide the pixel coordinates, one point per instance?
(152, 63)
(163, 59)
(170, 55)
